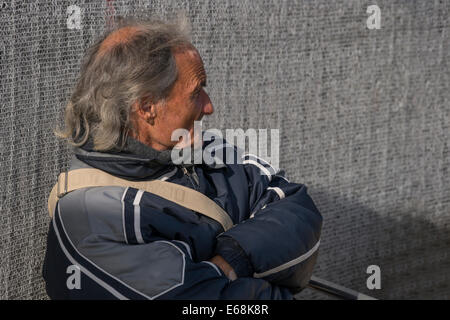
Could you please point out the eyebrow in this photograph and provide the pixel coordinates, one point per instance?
(202, 79)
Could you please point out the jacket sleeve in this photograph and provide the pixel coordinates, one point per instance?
(165, 270)
(279, 240)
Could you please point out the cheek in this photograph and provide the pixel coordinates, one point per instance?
(191, 113)
(181, 117)
(184, 119)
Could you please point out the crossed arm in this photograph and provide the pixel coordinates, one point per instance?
(279, 240)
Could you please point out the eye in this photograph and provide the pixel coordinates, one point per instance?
(196, 93)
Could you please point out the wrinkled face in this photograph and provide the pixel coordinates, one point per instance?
(187, 102)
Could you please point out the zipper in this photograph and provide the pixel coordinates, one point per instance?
(193, 177)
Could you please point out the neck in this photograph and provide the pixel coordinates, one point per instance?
(142, 135)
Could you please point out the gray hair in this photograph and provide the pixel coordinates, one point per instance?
(111, 81)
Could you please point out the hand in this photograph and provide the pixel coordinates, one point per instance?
(224, 266)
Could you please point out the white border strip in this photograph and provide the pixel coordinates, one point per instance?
(278, 191)
(262, 160)
(84, 270)
(186, 245)
(288, 264)
(92, 276)
(137, 216)
(123, 215)
(184, 270)
(282, 177)
(260, 166)
(168, 175)
(101, 282)
(214, 266)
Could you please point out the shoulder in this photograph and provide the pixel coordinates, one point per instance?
(96, 210)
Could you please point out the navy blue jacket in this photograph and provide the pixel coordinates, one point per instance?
(130, 244)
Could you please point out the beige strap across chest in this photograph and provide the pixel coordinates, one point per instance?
(184, 196)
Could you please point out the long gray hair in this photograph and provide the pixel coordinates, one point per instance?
(110, 82)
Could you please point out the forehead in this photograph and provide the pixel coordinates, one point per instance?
(191, 71)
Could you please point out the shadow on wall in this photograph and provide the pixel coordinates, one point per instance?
(412, 253)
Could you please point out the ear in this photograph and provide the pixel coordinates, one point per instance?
(145, 110)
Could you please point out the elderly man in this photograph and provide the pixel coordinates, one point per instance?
(138, 84)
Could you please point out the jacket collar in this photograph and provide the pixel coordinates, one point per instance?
(136, 161)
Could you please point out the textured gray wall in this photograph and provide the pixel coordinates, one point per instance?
(364, 118)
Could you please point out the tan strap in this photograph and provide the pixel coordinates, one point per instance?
(184, 196)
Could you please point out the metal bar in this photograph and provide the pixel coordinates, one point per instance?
(337, 290)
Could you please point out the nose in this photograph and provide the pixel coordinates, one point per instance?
(207, 107)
